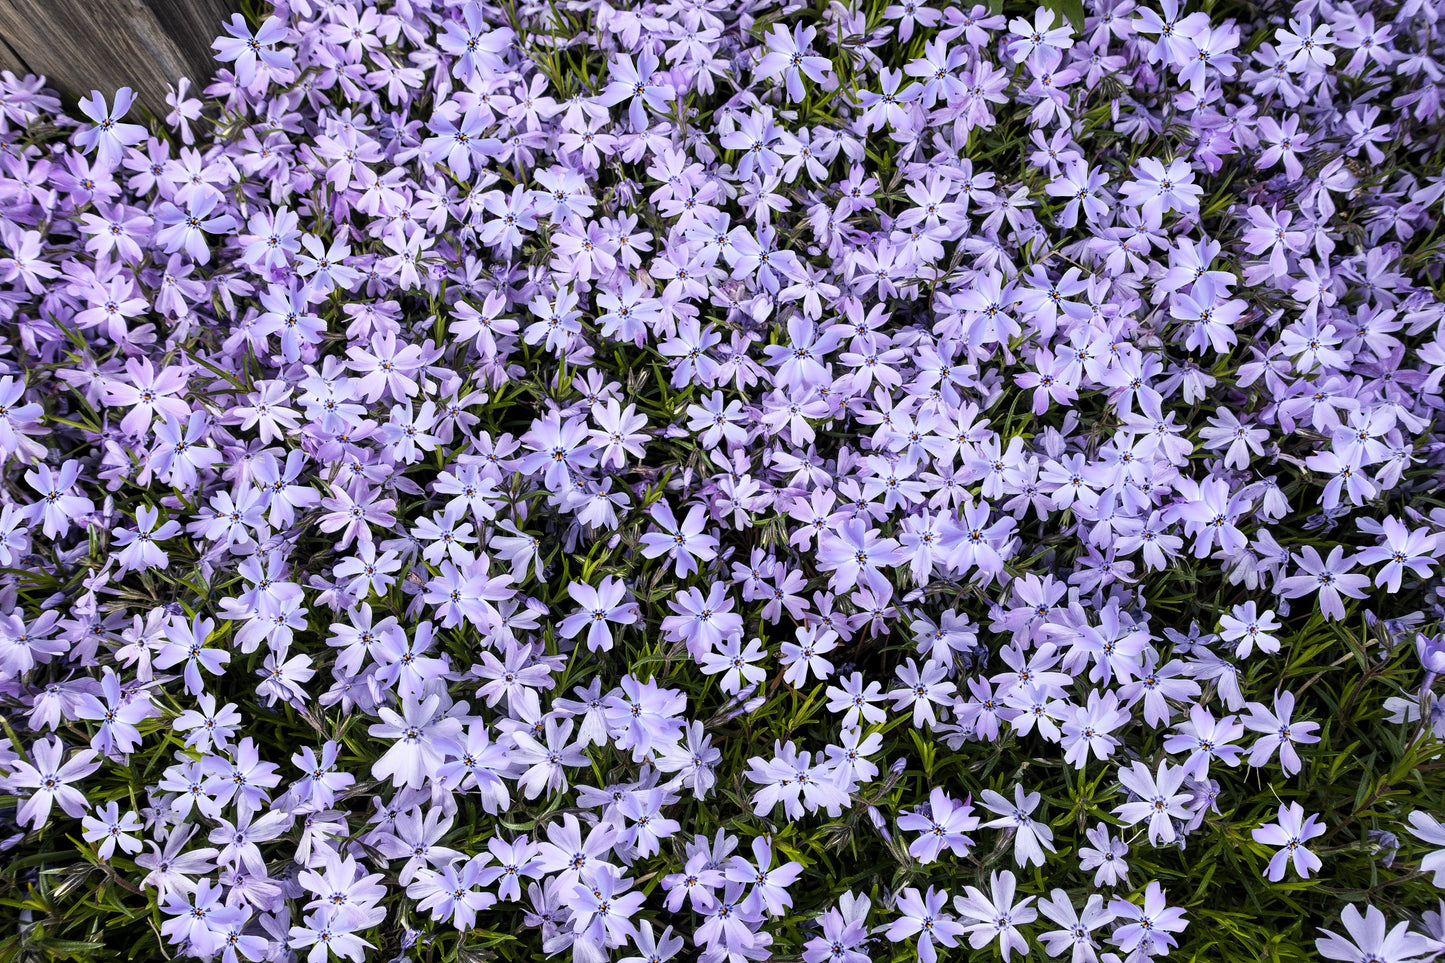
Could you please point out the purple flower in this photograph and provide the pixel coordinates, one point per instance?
(546, 760)
(245, 48)
(117, 715)
(1031, 837)
(1403, 548)
(1371, 937)
(57, 507)
(944, 824)
(788, 55)
(1151, 926)
(685, 543)
(633, 82)
(422, 733)
(326, 933)
(1159, 799)
(1158, 190)
(186, 643)
(922, 915)
(1327, 576)
(1278, 733)
(108, 137)
(110, 828)
(1290, 832)
(473, 42)
(767, 885)
(603, 909)
(599, 606)
(644, 717)
(996, 916)
(49, 779)
(1105, 855)
(451, 894)
(921, 689)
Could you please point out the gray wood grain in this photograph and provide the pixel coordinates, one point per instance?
(10, 60)
(81, 45)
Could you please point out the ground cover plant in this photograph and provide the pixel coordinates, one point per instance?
(721, 481)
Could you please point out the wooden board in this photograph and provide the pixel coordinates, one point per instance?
(84, 45)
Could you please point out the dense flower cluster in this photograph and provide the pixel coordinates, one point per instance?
(553, 477)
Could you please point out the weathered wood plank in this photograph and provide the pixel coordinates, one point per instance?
(80, 45)
(10, 60)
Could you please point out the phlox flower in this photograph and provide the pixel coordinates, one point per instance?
(921, 689)
(739, 665)
(451, 894)
(1346, 474)
(1290, 832)
(685, 542)
(245, 49)
(696, 883)
(182, 454)
(58, 506)
(792, 779)
(1278, 733)
(193, 922)
(1372, 938)
(509, 864)
(546, 760)
(1305, 46)
(788, 55)
(888, 107)
(108, 137)
(1402, 548)
(1150, 927)
(326, 933)
(767, 884)
(1090, 726)
(702, 621)
(731, 929)
(186, 643)
(603, 909)
(186, 230)
(599, 606)
(1105, 855)
(1031, 837)
(857, 553)
(273, 237)
(1206, 738)
(1210, 316)
(1329, 577)
(138, 549)
(633, 82)
(565, 852)
(459, 140)
(1159, 799)
(1033, 37)
(1158, 190)
(644, 716)
(117, 714)
(996, 916)
(857, 702)
(110, 828)
(1246, 627)
(50, 781)
(422, 734)
(923, 915)
(1076, 927)
(805, 656)
(558, 448)
(1428, 829)
(943, 823)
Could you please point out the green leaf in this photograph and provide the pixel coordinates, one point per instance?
(1070, 10)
